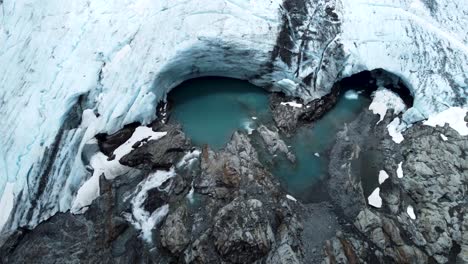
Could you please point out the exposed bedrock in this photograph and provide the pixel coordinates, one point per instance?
(237, 214)
(423, 213)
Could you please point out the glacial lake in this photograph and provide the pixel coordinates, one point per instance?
(210, 110)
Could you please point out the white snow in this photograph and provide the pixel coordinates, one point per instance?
(292, 104)
(454, 116)
(443, 137)
(189, 158)
(374, 199)
(142, 219)
(291, 198)
(400, 170)
(382, 176)
(384, 99)
(89, 191)
(394, 130)
(410, 212)
(6, 203)
(351, 95)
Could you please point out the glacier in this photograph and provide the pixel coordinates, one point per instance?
(71, 71)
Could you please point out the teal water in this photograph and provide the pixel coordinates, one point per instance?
(211, 109)
(311, 145)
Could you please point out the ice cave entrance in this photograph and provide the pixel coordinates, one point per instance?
(210, 109)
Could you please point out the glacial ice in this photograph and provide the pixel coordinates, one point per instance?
(384, 99)
(117, 59)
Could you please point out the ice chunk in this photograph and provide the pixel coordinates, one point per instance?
(374, 199)
(351, 95)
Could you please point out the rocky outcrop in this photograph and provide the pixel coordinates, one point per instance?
(274, 143)
(161, 153)
(430, 184)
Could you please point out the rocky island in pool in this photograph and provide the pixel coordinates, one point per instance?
(234, 131)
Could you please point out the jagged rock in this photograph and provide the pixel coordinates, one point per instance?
(174, 234)
(242, 232)
(236, 167)
(109, 143)
(285, 116)
(161, 153)
(274, 143)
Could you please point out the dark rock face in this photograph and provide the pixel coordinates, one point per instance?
(159, 154)
(287, 117)
(241, 233)
(252, 221)
(434, 171)
(109, 143)
(174, 234)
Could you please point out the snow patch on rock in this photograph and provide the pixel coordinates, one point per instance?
(101, 165)
(292, 104)
(395, 129)
(410, 212)
(142, 219)
(400, 170)
(291, 198)
(443, 137)
(382, 176)
(454, 116)
(374, 199)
